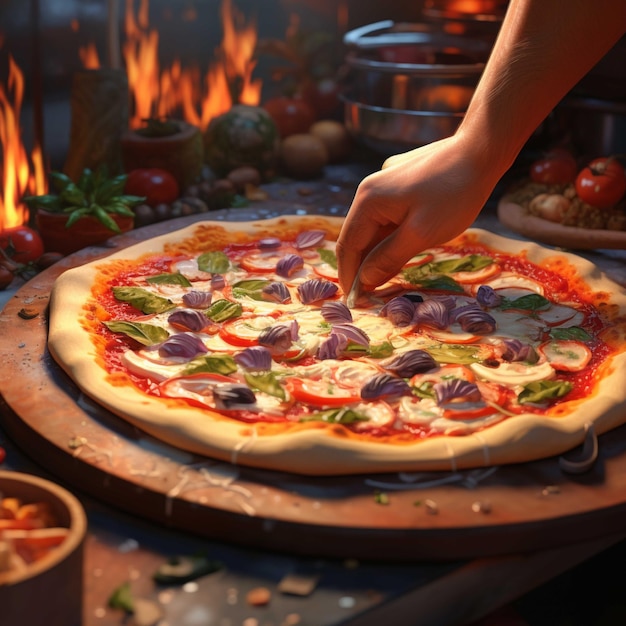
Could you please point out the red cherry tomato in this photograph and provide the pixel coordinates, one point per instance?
(323, 96)
(291, 115)
(602, 183)
(21, 244)
(557, 167)
(320, 393)
(157, 185)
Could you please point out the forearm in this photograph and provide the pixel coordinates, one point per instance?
(544, 48)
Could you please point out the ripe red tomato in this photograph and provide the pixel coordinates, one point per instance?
(322, 96)
(157, 185)
(602, 183)
(291, 115)
(21, 244)
(557, 167)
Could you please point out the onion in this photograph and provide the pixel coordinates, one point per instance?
(487, 296)
(316, 289)
(332, 348)
(399, 311)
(383, 385)
(351, 333)
(309, 239)
(255, 359)
(268, 243)
(435, 313)
(276, 292)
(456, 389)
(336, 312)
(188, 319)
(410, 363)
(516, 350)
(474, 320)
(185, 345)
(197, 299)
(218, 281)
(289, 264)
(278, 338)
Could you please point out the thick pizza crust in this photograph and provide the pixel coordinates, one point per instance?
(327, 450)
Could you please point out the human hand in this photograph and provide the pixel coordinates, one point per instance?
(419, 199)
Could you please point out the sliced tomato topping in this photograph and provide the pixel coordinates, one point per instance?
(263, 261)
(245, 331)
(468, 412)
(477, 276)
(324, 270)
(566, 355)
(444, 372)
(321, 393)
(454, 334)
(420, 259)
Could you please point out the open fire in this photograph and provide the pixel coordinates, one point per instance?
(21, 174)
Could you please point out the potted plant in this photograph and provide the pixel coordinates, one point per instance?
(84, 213)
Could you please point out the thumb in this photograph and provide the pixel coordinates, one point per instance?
(388, 257)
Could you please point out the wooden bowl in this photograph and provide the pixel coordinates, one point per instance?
(49, 591)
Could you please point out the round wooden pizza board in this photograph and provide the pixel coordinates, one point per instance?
(392, 517)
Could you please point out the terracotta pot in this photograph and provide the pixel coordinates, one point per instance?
(49, 591)
(87, 231)
(180, 154)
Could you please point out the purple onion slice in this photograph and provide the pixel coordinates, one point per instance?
(218, 281)
(232, 396)
(516, 350)
(278, 338)
(289, 265)
(185, 345)
(336, 312)
(399, 311)
(475, 320)
(189, 319)
(254, 359)
(309, 239)
(269, 243)
(410, 363)
(276, 292)
(384, 385)
(316, 289)
(456, 389)
(487, 297)
(352, 333)
(197, 299)
(433, 312)
(332, 348)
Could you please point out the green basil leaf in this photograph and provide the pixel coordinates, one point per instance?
(573, 332)
(252, 288)
(453, 353)
(380, 350)
(469, 263)
(425, 390)
(543, 390)
(145, 334)
(265, 382)
(222, 310)
(328, 256)
(439, 283)
(214, 262)
(336, 416)
(214, 364)
(122, 598)
(143, 300)
(531, 302)
(169, 279)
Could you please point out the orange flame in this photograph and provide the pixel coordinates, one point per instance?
(89, 56)
(19, 177)
(161, 93)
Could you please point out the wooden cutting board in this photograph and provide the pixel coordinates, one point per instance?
(434, 516)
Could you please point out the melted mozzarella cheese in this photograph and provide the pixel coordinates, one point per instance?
(514, 374)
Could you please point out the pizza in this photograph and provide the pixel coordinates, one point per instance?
(234, 340)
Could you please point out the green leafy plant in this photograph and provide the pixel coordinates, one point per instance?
(94, 194)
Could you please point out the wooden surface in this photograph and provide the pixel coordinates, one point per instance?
(517, 508)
